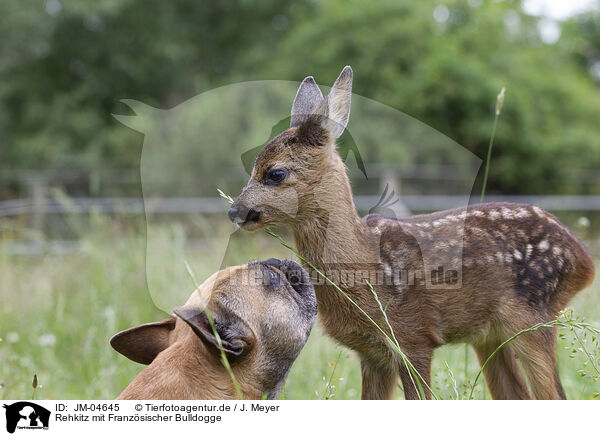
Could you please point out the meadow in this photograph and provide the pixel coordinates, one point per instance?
(58, 311)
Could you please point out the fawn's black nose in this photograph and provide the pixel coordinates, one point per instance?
(240, 214)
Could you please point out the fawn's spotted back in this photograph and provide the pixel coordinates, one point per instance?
(527, 244)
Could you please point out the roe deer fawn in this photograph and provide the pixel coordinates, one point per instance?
(519, 265)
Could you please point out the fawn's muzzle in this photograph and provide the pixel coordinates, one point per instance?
(240, 214)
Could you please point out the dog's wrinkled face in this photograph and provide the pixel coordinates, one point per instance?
(263, 313)
(264, 309)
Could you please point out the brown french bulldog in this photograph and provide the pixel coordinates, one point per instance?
(263, 313)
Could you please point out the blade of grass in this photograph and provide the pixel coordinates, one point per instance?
(211, 321)
(385, 318)
(327, 386)
(499, 102)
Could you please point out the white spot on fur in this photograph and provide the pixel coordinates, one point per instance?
(521, 213)
(507, 213)
(456, 218)
(569, 255)
(539, 212)
(478, 213)
(543, 245)
(500, 256)
(494, 214)
(517, 254)
(508, 258)
(529, 250)
(556, 250)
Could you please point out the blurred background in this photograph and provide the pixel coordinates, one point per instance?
(72, 224)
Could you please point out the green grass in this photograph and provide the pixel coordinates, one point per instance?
(58, 312)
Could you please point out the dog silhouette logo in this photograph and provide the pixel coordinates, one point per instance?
(26, 415)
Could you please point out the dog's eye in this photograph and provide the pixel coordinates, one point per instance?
(275, 176)
(273, 278)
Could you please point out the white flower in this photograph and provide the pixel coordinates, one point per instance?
(12, 337)
(583, 222)
(47, 340)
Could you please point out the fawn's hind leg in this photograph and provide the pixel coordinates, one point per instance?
(537, 352)
(502, 373)
(378, 380)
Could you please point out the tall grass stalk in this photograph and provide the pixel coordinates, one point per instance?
(418, 386)
(499, 102)
(211, 321)
(328, 387)
(34, 385)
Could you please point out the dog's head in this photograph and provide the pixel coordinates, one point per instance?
(262, 313)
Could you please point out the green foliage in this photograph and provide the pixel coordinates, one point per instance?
(64, 71)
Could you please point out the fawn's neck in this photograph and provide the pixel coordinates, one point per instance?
(333, 235)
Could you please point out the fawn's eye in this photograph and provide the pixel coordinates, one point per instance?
(275, 176)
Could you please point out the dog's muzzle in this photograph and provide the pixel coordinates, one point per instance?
(294, 273)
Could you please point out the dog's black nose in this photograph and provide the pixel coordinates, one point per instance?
(273, 262)
(240, 214)
(296, 275)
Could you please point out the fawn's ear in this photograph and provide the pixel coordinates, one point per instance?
(334, 111)
(234, 340)
(307, 98)
(143, 343)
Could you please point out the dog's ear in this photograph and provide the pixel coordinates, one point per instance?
(234, 341)
(143, 343)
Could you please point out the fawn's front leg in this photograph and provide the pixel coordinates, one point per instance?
(378, 380)
(421, 361)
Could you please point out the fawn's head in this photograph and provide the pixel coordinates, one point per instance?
(299, 171)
